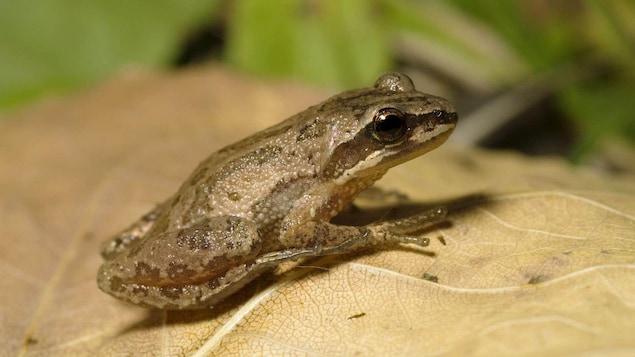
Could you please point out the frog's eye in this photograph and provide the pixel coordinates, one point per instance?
(389, 125)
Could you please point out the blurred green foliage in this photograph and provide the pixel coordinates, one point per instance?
(339, 42)
(55, 45)
(485, 47)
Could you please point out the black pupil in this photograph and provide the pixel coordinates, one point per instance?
(389, 125)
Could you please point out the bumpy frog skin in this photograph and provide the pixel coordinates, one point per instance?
(268, 198)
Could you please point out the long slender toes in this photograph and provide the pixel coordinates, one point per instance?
(420, 241)
(275, 258)
(418, 221)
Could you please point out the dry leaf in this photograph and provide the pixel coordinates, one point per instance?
(538, 258)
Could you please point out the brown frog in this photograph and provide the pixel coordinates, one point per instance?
(268, 198)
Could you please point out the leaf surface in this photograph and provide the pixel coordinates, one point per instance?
(536, 258)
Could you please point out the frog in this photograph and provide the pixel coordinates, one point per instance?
(269, 199)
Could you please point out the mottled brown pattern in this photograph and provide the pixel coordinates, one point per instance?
(257, 157)
(138, 290)
(313, 130)
(146, 272)
(193, 239)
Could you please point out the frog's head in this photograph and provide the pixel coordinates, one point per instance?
(384, 126)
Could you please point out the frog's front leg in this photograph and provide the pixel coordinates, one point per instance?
(323, 238)
(193, 267)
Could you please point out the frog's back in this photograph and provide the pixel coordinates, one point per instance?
(236, 180)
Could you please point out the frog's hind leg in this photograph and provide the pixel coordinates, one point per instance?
(189, 268)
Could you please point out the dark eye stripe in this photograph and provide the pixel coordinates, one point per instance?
(350, 153)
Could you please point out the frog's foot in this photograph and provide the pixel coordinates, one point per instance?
(395, 231)
(122, 241)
